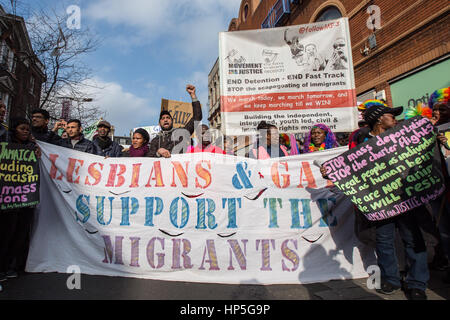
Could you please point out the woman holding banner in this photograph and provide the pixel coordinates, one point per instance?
(15, 224)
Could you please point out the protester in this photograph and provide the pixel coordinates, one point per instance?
(289, 141)
(108, 147)
(342, 138)
(3, 127)
(204, 144)
(139, 144)
(300, 145)
(76, 139)
(64, 135)
(15, 224)
(439, 102)
(320, 137)
(268, 143)
(380, 119)
(175, 140)
(39, 129)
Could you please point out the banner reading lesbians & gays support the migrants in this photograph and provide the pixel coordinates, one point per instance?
(292, 77)
(194, 217)
(391, 173)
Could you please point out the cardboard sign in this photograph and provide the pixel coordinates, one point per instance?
(19, 177)
(181, 112)
(391, 173)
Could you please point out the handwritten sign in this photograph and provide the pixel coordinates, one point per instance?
(393, 172)
(19, 177)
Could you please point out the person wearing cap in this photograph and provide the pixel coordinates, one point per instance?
(76, 139)
(175, 140)
(139, 144)
(39, 127)
(102, 140)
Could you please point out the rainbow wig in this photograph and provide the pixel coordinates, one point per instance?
(370, 103)
(439, 96)
(330, 139)
(420, 110)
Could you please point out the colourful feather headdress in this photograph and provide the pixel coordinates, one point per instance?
(440, 95)
(370, 103)
(420, 110)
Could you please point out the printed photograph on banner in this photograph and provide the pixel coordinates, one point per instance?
(292, 77)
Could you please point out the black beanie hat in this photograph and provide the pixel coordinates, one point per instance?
(163, 113)
(144, 134)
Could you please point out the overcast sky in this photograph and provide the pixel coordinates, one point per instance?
(150, 49)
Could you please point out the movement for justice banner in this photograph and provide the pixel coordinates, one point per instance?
(393, 172)
(292, 77)
(197, 217)
(19, 177)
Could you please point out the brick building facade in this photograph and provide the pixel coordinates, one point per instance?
(21, 73)
(402, 61)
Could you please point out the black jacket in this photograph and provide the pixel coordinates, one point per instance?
(177, 140)
(83, 145)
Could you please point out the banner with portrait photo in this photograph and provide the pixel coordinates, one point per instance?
(292, 76)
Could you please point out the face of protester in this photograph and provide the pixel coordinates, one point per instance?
(166, 122)
(102, 131)
(73, 130)
(318, 136)
(38, 121)
(64, 135)
(22, 133)
(441, 112)
(137, 141)
(387, 121)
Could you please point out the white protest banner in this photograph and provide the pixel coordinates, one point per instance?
(197, 217)
(292, 77)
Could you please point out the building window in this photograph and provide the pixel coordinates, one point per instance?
(329, 13)
(245, 12)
